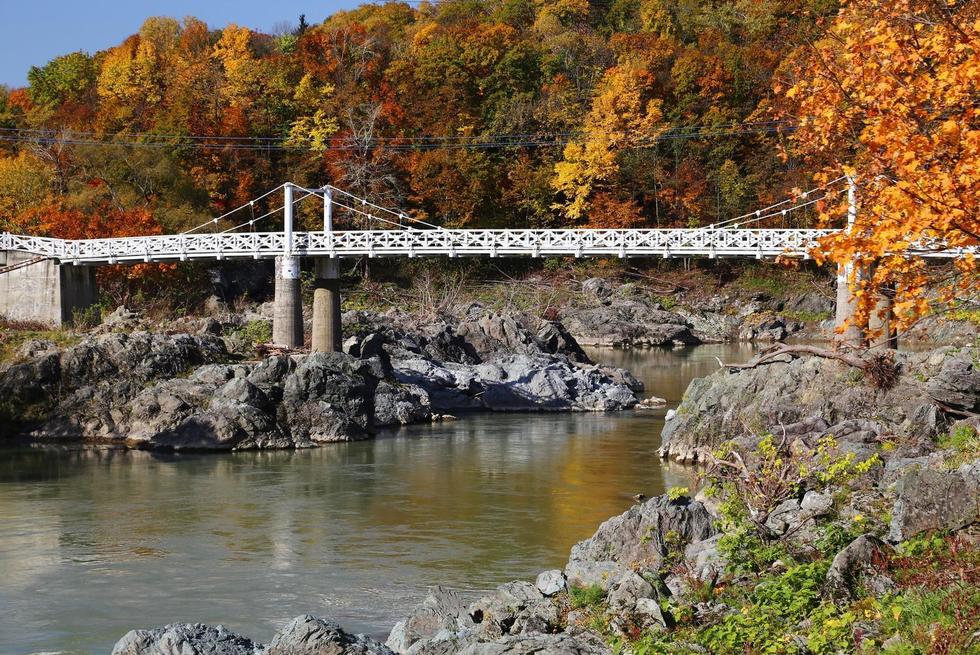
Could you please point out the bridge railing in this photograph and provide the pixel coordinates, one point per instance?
(571, 242)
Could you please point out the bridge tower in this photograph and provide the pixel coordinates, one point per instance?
(327, 334)
(880, 322)
(287, 320)
(849, 332)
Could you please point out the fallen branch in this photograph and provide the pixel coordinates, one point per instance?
(780, 349)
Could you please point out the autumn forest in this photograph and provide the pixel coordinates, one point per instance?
(518, 113)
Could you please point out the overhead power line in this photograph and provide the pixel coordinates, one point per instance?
(395, 143)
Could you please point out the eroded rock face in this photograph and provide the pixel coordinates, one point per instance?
(861, 564)
(637, 540)
(813, 397)
(311, 635)
(520, 644)
(935, 498)
(184, 639)
(628, 324)
(441, 611)
(180, 392)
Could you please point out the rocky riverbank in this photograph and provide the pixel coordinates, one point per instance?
(198, 391)
(834, 516)
(811, 397)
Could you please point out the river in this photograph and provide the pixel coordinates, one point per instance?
(96, 541)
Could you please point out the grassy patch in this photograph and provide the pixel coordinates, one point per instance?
(14, 334)
(584, 597)
(255, 332)
(807, 316)
(969, 315)
(964, 442)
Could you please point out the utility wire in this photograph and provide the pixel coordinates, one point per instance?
(397, 144)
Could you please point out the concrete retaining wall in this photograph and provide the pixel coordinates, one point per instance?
(45, 291)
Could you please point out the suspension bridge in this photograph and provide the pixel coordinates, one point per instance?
(37, 280)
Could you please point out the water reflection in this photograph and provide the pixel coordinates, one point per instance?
(97, 541)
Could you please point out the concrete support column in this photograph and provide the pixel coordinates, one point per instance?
(327, 332)
(37, 289)
(287, 321)
(881, 321)
(847, 304)
(852, 334)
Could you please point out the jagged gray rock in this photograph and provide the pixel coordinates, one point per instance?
(172, 391)
(185, 639)
(311, 635)
(441, 610)
(550, 582)
(638, 538)
(628, 324)
(935, 498)
(512, 608)
(860, 564)
(811, 397)
(582, 643)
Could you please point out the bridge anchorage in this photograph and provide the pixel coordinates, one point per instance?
(49, 279)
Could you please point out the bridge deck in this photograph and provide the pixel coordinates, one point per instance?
(757, 243)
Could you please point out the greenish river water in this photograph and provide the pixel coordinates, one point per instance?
(94, 542)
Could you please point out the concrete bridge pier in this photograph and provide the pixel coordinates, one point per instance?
(39, 289)
(287, 320)
(848, 331)
(327, 333)
(881, 322)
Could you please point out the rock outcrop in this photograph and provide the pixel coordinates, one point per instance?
(311, 635)
(181, 638)
(638, 539)
(809, 398)
(189, 392)
(629, 324)
(304, 635)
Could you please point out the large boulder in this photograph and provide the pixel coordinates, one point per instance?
(628, 324)
(516, 383)
(638, 539)
(582, 643)
(513, 608)
(441, 611)
(311, 635)
(859, 567)
(813, 396)
(935, 498)
(185, 639)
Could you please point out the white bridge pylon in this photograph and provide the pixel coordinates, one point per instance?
(404, 239)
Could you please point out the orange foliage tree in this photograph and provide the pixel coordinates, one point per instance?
(888, 95)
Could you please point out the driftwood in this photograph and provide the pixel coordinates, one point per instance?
(878, 366)
(769, 354)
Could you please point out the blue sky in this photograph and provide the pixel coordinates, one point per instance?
(32, 32)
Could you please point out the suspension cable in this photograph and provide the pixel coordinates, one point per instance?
(214, 221)
(757, 213)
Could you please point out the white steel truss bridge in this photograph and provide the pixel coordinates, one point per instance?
(409, 237)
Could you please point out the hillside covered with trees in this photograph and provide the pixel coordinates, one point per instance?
(517, 113)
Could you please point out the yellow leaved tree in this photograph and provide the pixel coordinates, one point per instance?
(622, 116)
(889, 95)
